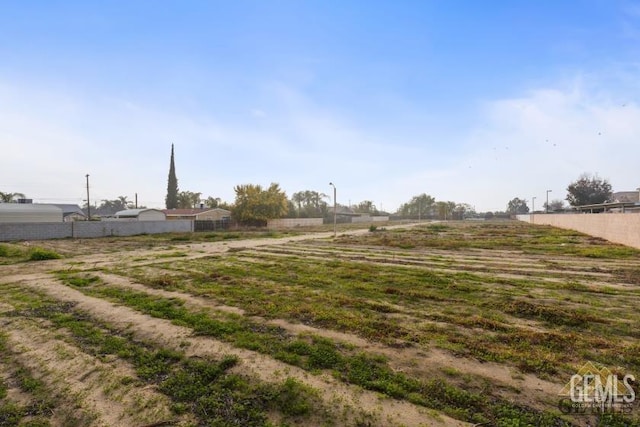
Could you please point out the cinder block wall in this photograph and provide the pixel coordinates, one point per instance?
(88, 229)
(623, 228)
(293, 222)
(34, 231)
(363, 219)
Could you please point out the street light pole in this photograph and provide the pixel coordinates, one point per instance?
(88, 202)
(533, 209)
(335, 206)
(547, 208)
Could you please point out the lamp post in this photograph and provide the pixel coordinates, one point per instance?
(547, 208)
(335, 206)
(533, 209)
(88, 202)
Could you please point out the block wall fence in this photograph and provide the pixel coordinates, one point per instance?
(623, 228)
(88, 229)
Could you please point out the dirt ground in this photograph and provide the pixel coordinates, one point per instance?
(99, 388)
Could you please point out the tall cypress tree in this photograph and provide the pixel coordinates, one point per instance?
(172, 185)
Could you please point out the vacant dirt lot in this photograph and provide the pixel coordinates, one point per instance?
(443, 324)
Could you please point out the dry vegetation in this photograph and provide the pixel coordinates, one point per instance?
(438, 324)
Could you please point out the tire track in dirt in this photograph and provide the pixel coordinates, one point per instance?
(200, 250)
(14, 393)
(93, 392)
(448, 266)
(347, 399)
(417, 362)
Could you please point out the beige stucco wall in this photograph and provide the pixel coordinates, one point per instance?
(213, 215)
(294, 222)
(623, 228)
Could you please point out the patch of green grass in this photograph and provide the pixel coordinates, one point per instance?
(437, 228)
(175, 254)
(79, 280)
(514, 235)
(27, 382)
(556, 315)
(358, 297)
(41, 254)
(312, 353)
(204, 387)
(34, 413)
(11, 253)
(4, 251)
(182, 237)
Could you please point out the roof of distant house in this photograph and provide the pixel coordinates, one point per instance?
(133, 212)
(29, 207)
(68, 209)
(191, 212)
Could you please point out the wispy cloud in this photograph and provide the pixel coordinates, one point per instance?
(540, 141)
(519, 147)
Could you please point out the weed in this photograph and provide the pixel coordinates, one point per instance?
(175, 254)
(41, 254)
(311, 353)
(78, 280)
(201, 386)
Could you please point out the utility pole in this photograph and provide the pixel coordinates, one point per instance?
(136, 200)
(533, 209)
(88, 201)
(547, 208)
(335, 207)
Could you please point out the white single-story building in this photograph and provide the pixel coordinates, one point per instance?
(27, 212)
(141, 215)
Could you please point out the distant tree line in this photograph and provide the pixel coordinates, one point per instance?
(10, 197)
(424, 206)
(586, 190)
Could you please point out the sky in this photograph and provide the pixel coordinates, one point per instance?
(468, 101)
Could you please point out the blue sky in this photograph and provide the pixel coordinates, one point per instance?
(469, 101)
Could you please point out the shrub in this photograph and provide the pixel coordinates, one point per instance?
(40, 254)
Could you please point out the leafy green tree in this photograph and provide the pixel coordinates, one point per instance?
(308, 204)
(589, 190)
(189, 200)
(10, 197)
(212, 202)
(367, 207)
(445, 210)
(554, 205)
(255, 205)
(421, 206)
(462, 209)
(216, 202)
(517, 206)
(172, 185)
